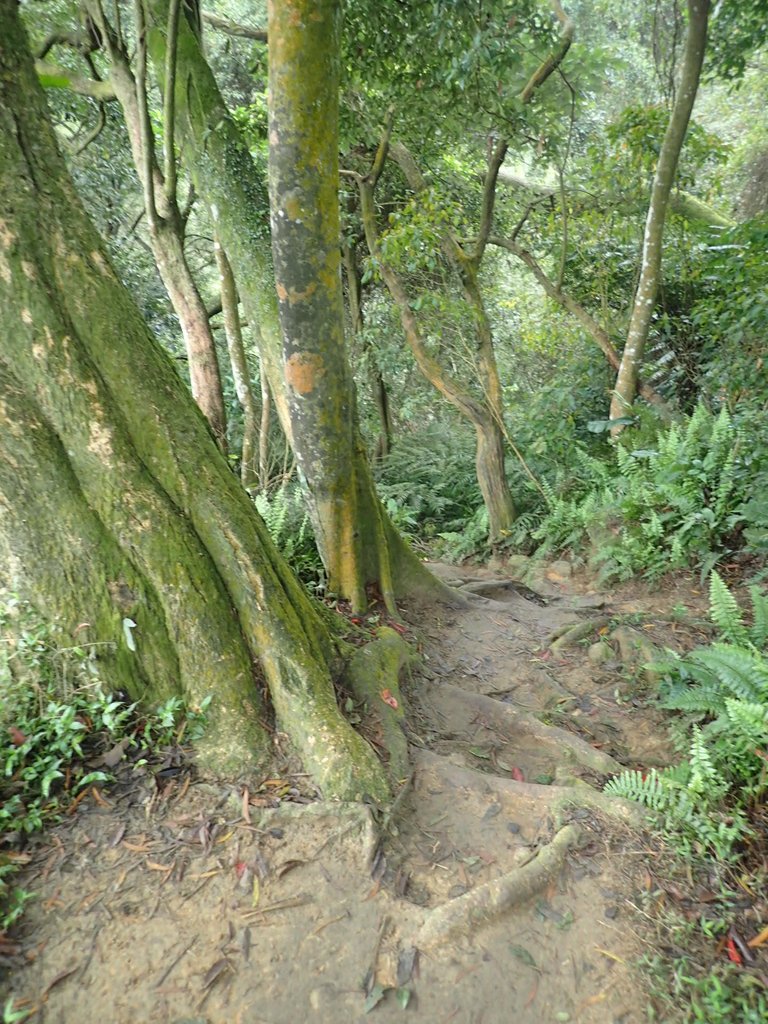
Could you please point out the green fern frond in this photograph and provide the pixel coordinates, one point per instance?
(742, 672)
(758, 631)
(704, 779)
(749, 721)
(725, 612)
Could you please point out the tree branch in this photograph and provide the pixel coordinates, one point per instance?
(56, 76)
(555, 59)
(145, 125)
(79, 41)
(598, 334)
(382, 150)
(169, 94)
(234, 29)
(94, 133)
(489, 199)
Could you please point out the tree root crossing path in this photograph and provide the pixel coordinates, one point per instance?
(500, 887)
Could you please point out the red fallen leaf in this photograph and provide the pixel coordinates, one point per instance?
(733, 954)
(398, 628)
(357, 622)
(240, 868)
(386, 696)
(517, 775)
(18, 738)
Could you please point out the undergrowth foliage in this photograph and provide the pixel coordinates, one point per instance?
(285, 516)
(678, 503)
(721, 692)
(57, 718)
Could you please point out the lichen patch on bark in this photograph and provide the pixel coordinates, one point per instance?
(302, 371)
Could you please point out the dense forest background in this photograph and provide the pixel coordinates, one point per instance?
(555, 281)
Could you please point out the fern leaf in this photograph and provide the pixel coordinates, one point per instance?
(725, 612)
(742, 672)
(758, 631)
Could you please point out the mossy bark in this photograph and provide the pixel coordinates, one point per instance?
(304, 46)
(249, 470)
(234, 188)
(372, 676)
(115, 501)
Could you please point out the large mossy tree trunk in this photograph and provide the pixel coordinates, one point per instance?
(235, 190)
(115, 502)
(625, 390)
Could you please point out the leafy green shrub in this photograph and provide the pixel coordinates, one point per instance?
(722, 690)
(55, 715)
(659, 508)
(285, 515)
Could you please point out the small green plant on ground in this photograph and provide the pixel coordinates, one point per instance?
(678, 503)
(710, 806)
(56, 716)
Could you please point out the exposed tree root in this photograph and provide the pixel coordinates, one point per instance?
(554, 800)
(461, 916)
(480, 587)
(571, 633)
(372, 675)
(510, 721)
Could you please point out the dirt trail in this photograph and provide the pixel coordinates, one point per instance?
(167, 905)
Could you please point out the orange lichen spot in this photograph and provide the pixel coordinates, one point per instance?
(292, 296)
(302, 371)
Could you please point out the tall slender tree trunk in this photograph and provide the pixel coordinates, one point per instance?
(115, 502)
(266, 405)
(249, 473)
(484, 411)
(304, 57)
(378, 386)
(235, 191)
(650, 269)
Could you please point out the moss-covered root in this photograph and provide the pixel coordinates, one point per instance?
(573, 633)
(509, 721)
(463, 915)
(338, 758)
(372, 676)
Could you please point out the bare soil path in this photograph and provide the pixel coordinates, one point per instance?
(501, 889)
